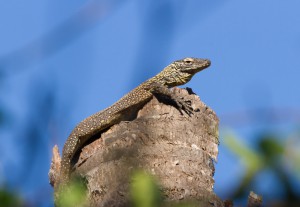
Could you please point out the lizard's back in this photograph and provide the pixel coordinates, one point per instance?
(122, 110)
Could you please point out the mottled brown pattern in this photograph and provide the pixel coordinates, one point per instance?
(177, 73)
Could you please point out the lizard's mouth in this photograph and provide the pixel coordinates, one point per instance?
(207, 63)
(198, 67)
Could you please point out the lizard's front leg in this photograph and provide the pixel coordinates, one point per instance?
(179, 102)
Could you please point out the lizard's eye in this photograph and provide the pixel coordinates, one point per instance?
(188, 60)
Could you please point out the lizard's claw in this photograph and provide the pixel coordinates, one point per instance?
(185, 106)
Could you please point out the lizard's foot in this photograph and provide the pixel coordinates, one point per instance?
(184, 106)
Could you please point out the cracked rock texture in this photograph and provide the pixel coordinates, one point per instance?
(177, 149)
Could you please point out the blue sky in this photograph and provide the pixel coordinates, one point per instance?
(65, 69)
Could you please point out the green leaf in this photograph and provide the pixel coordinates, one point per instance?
(73, 194)
(9, 199)
(144, 191)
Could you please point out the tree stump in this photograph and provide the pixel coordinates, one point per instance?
(179, 150)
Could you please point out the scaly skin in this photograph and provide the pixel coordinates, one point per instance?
(177, 73)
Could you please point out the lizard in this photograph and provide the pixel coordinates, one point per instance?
(177, 73)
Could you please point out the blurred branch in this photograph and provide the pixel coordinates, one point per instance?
(59, 37)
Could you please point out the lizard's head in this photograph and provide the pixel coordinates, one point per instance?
(191, 65)
(181, 71)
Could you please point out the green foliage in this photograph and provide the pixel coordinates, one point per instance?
(9, 199)
(251, 159)
(270, 147)
(270, 153)
(73, 194)
(292, 153)
(144, 191)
